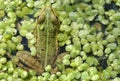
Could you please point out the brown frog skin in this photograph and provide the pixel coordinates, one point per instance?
(45, 32)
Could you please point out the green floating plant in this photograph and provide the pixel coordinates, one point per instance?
(89, 33)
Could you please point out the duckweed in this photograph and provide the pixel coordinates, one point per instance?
(89, 33)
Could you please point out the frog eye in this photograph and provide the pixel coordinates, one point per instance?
(40, 19)
(55, 20)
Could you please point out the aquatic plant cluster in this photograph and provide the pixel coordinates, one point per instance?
(89, 32)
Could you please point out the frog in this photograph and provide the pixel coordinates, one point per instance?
(46, 30)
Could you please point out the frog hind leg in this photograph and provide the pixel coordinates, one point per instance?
(58, 65)
(17, 62)
(25, 62)
(30, 61)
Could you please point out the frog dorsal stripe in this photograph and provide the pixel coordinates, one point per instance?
(47, 40)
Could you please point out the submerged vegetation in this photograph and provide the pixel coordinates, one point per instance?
(89, 32)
